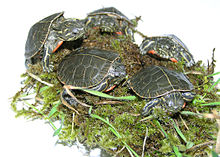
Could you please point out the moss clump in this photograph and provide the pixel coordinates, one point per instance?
(159, 137)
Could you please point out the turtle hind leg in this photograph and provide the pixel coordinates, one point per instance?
(103, 86)
(67, 99)
(149, 107)
(67, 90)
(28, 62)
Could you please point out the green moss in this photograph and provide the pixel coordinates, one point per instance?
(124, 115)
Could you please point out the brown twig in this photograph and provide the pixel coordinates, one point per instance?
(144, 143)
(71, 94)
(194, 72)
(200, 145)
(67, 105)
(140, 33)
(119, 151)
(39, 79)
(184, 123)
(109, 102)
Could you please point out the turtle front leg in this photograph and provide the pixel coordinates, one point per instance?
(27, 62)
(128, 33)
(50, 47)
(149, 106)
(102, 86)
(45, 61)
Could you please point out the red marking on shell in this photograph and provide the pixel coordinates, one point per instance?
(184, 105)
(58, 45)
(151, 52)
(119, 33)
(95, 27)
(173, 60)
(111, 88)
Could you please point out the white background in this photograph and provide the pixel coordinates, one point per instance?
(195, 22)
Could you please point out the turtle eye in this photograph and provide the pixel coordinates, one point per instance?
(75, 31)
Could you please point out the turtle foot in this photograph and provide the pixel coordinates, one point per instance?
(48, 68)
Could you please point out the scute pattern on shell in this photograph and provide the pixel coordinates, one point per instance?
(86, 68)
(156, 81)
(166, 47)
(38, 34)
(111, 11)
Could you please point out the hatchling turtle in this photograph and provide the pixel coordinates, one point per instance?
(48, 34)
(163, 88)
(168, 47)
(111, 20)
(94, 69)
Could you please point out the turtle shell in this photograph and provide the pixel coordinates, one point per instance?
(166, 47)
(156, 81)
(110, 11)
(86, 68)
(38, 34)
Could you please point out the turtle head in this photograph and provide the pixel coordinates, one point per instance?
(117, 72)
(104, 23)
(109, 24)
(147, 46)
(174, 102)
(71, 29)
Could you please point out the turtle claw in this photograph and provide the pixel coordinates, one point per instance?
(48, 68)
(46, 61)
(51, 67)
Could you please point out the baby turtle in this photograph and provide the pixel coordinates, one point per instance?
(94, 69)
(48, 34)
(162, 88)
(110, 20)
(167, 47)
